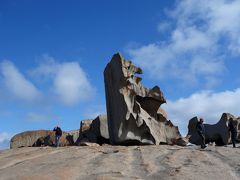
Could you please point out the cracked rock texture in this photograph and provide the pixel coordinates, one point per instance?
(134, 113)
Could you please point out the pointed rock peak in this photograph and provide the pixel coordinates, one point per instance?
(118, 55)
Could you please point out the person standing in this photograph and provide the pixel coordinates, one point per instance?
(201, 132)
(233, 129)
(58, 134)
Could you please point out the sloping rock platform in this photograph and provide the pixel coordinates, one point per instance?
(120, 162)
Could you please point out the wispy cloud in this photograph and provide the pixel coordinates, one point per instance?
(70, 83)
(38, 117)
(94, 110)
(16, 84)
(204, 104)
(202, 34)
(163, 26)
(4, 140)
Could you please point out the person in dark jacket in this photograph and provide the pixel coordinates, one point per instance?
(58, 134)
(201, 132)
(233, 129)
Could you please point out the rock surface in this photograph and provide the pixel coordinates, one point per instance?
(217, 133)
(120, 162)
(95, 131)
(40, 138)
(134, 114)
(74, 135)
(85, 125)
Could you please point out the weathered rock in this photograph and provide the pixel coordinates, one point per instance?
(91, 144)
(238, 133)
(86, 133)
(163, 113)
(133, 111)
(95, 131)
(85, 125)
(120, 162)
(100, 127)
(217, 133)
(74, 135)
(39, 138)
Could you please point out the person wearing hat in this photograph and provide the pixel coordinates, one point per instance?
(201, 132)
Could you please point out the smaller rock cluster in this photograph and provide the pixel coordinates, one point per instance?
(91, 131)
(42, 138)
(94, 131)
(216, 133)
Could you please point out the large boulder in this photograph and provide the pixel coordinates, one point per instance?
(218, 133)
(74, 135)
(94, 131)
(86, 133)
(100, 127)
(85, 125)
(39, 138)
(134, 114)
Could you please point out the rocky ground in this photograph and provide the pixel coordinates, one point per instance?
(120, 162)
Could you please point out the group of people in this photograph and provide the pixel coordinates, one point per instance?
(232, 128)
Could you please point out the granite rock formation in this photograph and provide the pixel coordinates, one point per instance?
(85, 125)
(40, 138)
(217, 133)
(74, 135)
(94, 131)
(134, 113)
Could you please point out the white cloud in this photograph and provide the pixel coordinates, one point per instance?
(203, 34)
(93, 111)
(70, 82)
(152, 58)
(204, 104)
(4, 140)
(164, 26)
(38, 117)
(185, 39)
(47, 68)
(16, 84)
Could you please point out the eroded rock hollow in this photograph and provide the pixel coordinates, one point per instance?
(134, 113)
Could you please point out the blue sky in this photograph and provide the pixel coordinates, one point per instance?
(189, 48)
